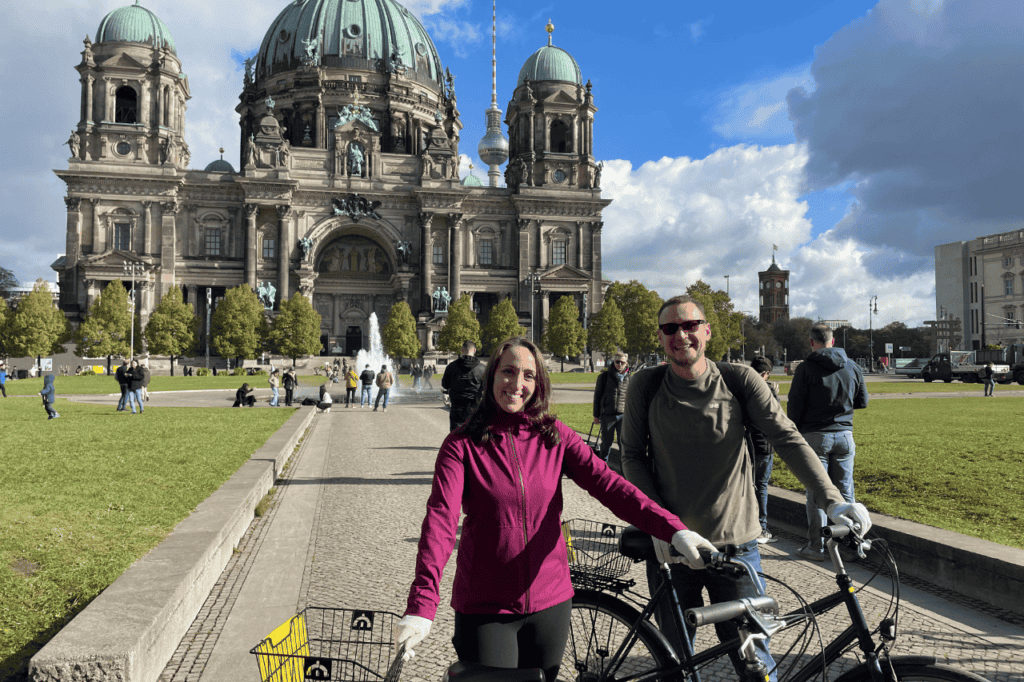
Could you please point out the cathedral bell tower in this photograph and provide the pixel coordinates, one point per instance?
(133, 94)
(551, 124)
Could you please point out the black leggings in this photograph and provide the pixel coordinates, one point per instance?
(532, 640)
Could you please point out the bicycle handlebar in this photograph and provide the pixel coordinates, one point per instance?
(719, 613)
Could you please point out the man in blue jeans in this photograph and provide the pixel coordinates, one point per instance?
(684, 446)
(826, 389)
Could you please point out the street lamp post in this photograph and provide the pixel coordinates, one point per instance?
(728, 351)
(533, 279)
(872, 301)
(132, 269)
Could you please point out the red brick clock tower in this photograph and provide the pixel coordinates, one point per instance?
(773, 293)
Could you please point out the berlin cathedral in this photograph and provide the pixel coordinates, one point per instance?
(347, 188)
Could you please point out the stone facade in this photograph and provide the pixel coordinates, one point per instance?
(347, 191)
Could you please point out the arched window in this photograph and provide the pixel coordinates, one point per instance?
(560, 137)
(126, 105)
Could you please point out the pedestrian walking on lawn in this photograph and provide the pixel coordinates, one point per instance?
(610, 402)
(3, 379)
(134, 376)
(49, 396)
(987, 378)
(122, 382)
(146, 375)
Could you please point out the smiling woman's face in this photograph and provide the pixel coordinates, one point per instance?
(516, 379)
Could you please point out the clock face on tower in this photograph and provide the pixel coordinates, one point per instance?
(778, 284)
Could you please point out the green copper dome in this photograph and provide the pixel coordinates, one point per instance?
(135, 24)
(551, 63)
(472, 181)
(219, 166)
(353, 34)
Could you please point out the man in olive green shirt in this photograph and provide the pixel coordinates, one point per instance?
(698, 466)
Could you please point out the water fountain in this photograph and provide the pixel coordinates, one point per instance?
(375, 358)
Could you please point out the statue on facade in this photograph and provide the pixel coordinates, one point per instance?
(446, 298)
(282, 154)
(250, 157)
(597, 175)
(266, 293)
(248, 70)
(311, 54)
(355, 159)
(404, 251)
(74, 142)
(306, 244)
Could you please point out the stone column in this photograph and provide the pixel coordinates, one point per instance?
(147, 227)
(455, 261)
(531, 133)
(250, 244)
(595, 251)
(167, 247)
(73, 246)
(89, 84)
(284, 252)
(426, 259)
(97, 230)
(547, 133)
(575, 134)
(579, 244)
(336, 323)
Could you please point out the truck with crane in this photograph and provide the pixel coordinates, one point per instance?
(964, 365)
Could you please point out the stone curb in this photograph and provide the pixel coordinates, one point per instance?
(130, 631)
(983, 570)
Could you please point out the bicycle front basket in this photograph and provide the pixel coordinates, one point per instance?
(593, 549)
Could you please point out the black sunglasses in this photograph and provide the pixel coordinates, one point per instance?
(689, 326)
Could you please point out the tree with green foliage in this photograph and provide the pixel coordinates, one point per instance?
(639, 308)
(794, 336)
(607, 331)
(565, 334)
(726, 325)
(503, 324)
(172, 327)
(7, 280)
(37, 327)
(105, 330)
(295, 331)
(461, 326)
(239, 328)
(398, 335)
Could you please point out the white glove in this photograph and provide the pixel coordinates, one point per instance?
(410, 631)
(846, 514)
(688, 544)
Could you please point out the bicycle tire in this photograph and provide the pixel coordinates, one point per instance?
(915, 669)
(599, 624)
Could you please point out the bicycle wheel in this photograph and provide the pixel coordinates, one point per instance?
(599, 625)
(915, 669)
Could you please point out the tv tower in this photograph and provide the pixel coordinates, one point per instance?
(493, 148)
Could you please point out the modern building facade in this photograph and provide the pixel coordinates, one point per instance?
(773, 293)
(981, 283)
(347, 188)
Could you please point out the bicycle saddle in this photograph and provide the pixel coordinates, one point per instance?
(475, 672)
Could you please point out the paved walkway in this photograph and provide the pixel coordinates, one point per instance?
(343, 529)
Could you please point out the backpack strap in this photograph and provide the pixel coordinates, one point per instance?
(732, 382)
(650, 389)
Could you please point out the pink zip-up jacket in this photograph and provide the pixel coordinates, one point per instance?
(512, 556)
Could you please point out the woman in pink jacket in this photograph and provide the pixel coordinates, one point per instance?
(512, 594)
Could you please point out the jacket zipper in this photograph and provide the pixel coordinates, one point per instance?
(526, 539)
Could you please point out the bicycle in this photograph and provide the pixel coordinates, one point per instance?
(612, 638)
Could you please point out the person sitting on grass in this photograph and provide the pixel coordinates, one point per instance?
(244, 397)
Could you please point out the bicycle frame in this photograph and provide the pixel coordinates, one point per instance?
(688, 668)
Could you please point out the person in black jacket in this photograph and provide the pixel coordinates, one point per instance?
(244, 397)
(135, 377)
(610, 402)
(464, 382)
(289, 381)
(826, 389)
(122, 381)
(764, 455)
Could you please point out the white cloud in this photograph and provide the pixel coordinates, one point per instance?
(675, 221)
(757, 109)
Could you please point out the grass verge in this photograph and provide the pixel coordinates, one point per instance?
(945, 462)
(87, 495)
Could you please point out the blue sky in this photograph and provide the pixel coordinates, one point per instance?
(855, 136)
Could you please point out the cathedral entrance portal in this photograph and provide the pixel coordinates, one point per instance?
(353, 340)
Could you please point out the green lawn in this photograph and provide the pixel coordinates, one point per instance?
(946, 462)
(85, 496)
